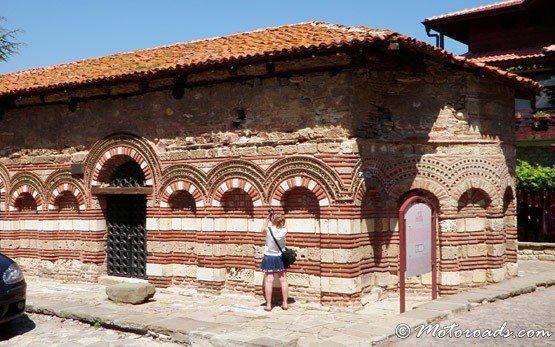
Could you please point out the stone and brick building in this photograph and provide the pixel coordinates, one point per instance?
(161, 163)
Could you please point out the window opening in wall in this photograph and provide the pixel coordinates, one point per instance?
(182, 201)
(300, 200)
(128, 174)
(240, 118)
(66, 201)
(237, 200)
(25, 203)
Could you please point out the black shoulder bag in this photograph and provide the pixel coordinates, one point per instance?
(288, 255)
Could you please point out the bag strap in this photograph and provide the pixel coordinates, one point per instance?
(277, 244)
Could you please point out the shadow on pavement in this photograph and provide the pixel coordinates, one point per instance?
(16, 327)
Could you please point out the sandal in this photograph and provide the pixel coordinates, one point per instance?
(267, 309)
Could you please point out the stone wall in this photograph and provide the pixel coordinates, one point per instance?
(337, 148)
(536, 251)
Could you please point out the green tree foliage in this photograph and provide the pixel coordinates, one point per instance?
(8, 43)
(534, 177)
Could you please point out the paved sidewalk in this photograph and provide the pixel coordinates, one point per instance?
(234, 320)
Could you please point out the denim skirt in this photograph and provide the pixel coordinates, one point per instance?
(272, 263)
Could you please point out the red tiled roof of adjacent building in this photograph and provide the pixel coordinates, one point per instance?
(508, 55)
(479, 10)
(238, 48)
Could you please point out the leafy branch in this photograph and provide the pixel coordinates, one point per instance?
(534, 177)
(8, 42)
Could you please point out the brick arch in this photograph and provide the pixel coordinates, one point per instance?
(67, 187)
(365, 171)
(478, 173)
(120, 148)
(186, 174)
(62, 181)
(115, 157)
(372, 185)
(415, 173)
(21, 190)
(4, 185)
(474, 197)
(246, 173)
(306, 167)
(299, 181)
(26, 183)
(181, 185)
(400, 189)
(237, 183)
(480, 183)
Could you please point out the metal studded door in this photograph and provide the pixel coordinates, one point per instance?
(127, 235)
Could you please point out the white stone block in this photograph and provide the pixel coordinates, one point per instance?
(341, 285)
(184, 270)
(394, 224)
(98, 225)
(496, 275)
(367, 225)
(81, 225)
(254, 225)
(237, 224)
(154, 269)
(343, 226)
(66, 224)
(194, 224)
(450, 278)
(165, 224)
(333, 226)
(220, 224)
(176, 223)
(209, 274)
(31, 224)
(301, 225)
(475, 224)
(152, 224)
(207, 224)
(324, 226)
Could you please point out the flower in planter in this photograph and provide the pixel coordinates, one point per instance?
(541, 120)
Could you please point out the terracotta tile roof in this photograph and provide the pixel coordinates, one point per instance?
(480, 9)
(507, 55)
(237, 48)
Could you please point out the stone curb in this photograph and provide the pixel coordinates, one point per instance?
(193, 332)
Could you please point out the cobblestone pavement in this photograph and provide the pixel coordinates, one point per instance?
(530, 311)
(41, 330)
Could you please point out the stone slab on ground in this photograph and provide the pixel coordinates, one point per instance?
(130, 293)
(449, 307)
(428, 315)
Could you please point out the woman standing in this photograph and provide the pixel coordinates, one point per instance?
(272, 265)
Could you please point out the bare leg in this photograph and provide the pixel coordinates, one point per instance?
(268, 284)
(284, 289)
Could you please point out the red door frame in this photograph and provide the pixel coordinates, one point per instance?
(403, 255)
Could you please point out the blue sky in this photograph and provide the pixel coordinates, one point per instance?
(61, 31)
